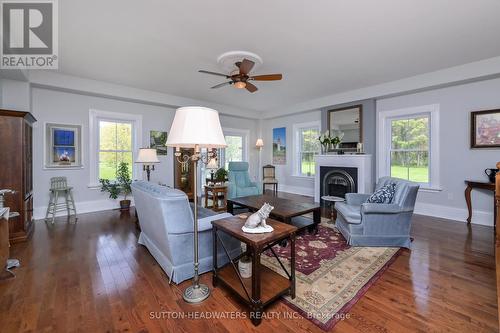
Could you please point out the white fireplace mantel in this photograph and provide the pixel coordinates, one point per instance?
(362, 162)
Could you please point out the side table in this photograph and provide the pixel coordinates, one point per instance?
(216, 191)
(332, 200)
(265, 286)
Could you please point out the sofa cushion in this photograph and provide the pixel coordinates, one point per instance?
(385, 194)
(351, 213)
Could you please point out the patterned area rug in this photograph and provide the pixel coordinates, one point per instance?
(331, 276)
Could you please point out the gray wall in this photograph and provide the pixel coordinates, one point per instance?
(457, 161)
(71, 108)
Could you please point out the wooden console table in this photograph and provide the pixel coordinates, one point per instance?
(215, 191)
(471, 184)
(4, 244)
(265, 286)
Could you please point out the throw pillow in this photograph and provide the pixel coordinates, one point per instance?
(385, 194)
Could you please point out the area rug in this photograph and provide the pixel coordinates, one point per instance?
(331, 276)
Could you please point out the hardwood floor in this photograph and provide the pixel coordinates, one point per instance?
(94, 277)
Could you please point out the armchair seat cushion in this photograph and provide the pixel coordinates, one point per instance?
(351, 213)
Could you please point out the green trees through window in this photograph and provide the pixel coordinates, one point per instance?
(409, 153)
(115, 146)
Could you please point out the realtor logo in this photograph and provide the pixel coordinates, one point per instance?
(29, 34)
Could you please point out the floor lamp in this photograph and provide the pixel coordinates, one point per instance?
(196, 127)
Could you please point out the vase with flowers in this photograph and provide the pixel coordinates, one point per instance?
(330, 140)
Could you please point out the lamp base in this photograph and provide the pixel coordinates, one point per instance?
(196, 294)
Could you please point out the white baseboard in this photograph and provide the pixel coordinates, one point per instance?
(454, 213)
(83, 207)
(309, 192)
(421, 208)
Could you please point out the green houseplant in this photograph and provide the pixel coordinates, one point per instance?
(121, 186)
(221, 175)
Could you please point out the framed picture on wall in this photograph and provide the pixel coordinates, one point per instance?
(63, 146)
(279, 145)
(157, 140)
(485, 129)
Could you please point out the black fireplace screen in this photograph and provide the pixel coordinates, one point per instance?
(337, 181)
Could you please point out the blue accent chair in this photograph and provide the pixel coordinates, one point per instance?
(240, 184)
(375, 224)
(166, 220)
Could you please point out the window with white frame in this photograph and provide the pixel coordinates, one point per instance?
(408, 145)
(237, 147)
(114, 138)
(306, 146)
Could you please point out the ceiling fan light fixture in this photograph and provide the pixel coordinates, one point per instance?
(240, 85)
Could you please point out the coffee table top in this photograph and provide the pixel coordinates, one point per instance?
(282, 207)
(232, 226)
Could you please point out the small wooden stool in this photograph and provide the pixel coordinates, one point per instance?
(59, 185)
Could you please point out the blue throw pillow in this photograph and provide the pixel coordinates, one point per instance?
(385, 194)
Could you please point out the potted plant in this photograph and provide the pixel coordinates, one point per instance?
(336, 139)
(221, 175)
(121, 186)
(324, 139)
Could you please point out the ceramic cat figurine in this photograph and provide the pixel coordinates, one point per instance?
(258, 219)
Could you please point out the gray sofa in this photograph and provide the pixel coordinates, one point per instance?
(375, 224)
(166, 220)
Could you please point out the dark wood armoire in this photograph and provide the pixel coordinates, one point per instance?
(183, 174)
(16, 170)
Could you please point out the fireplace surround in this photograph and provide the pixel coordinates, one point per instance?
(343, 173)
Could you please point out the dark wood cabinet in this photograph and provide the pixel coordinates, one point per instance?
(16, 170)
(183, 174)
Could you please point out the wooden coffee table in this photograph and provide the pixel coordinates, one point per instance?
(285, 210)
(265, 286)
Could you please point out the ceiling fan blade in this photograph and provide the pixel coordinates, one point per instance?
(246, 66)
(222, 85)
(213, 73)
(250, 87)
(267, 77)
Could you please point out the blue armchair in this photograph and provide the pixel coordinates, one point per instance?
(375, 224)
(239, 181)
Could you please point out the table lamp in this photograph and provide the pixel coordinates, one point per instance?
(196, 127)
(212, 166)
(148, 158)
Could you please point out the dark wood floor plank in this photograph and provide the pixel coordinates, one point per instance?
(94, 277)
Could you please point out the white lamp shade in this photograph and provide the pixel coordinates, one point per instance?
(259, 143)
(212, 164)
(147, 155)
(196, 126)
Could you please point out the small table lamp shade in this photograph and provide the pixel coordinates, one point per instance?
(147, 156)
(196, 126)
(212, 165)
(259, 143)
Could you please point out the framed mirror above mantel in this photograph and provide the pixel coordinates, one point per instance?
(349, 121)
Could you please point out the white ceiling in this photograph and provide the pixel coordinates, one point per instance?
(322, 47)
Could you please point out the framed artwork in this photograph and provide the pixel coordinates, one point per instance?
(279, 145)
(485, 129)
(63, 146)
(157, 140)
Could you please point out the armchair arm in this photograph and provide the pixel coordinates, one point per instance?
(356, 198)
(378, 208)
(206, 222)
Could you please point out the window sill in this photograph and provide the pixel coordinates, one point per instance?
(430, 189)
(94, 186)
(303, 176)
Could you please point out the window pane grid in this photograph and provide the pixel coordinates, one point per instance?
(409, 150)
(115, 146)
(308, 146)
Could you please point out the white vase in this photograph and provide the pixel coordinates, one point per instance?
(245, 267)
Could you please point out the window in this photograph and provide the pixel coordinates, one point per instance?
(114, 138)
(408, 145)
(237, 149)
(115, 147)
(409, 151)
(306, 146)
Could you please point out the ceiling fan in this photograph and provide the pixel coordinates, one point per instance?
(240, 77)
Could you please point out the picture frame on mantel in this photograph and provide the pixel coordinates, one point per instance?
(62, 146)
(485, 129)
